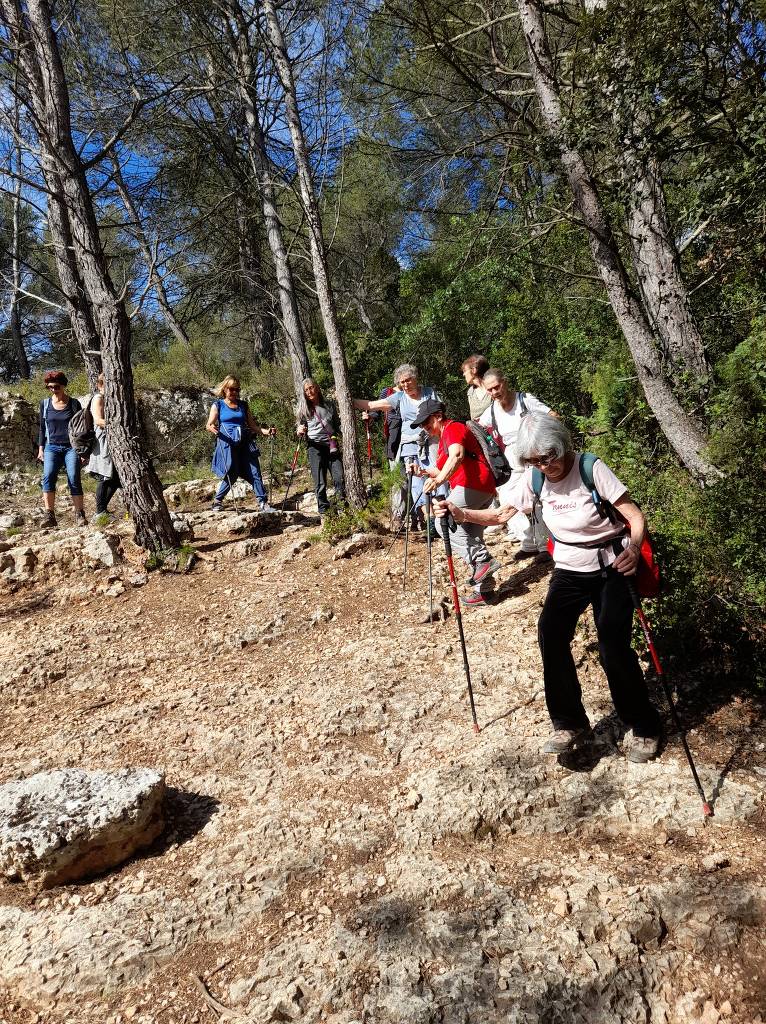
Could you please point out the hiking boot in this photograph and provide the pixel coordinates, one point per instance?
(564, 739)
(484, 571)
(475, 599)
(217, 506)
(49, 520)
(522, 554)
(643, 749)
(79, 519)
(265, 507)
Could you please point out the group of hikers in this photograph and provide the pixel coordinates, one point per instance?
(552, 498)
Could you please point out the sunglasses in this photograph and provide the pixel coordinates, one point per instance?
(54, 387)
(234, 389)
(542, 461)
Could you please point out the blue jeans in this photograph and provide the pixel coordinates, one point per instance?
(54, 457)
(246, 466)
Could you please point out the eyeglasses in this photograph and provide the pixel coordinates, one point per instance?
(543, 460)
(407, 380)
(54, 387)
(492, 388)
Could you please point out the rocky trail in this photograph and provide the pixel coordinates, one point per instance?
(340, 846)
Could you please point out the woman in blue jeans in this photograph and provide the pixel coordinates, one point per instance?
(236, 453)
(54, 450)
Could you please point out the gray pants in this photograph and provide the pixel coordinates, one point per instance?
(468, 539)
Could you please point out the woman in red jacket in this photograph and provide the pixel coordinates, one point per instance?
(461, 463)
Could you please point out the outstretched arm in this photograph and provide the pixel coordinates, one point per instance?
(479, 516)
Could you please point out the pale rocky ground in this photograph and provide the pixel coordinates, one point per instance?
(341, 847)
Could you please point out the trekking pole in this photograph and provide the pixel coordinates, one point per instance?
(707, 810)
(407, 526)
(458, 616)
(231, 491)
(369, 448)
(271, 468)
(430, 569)
(292, 473)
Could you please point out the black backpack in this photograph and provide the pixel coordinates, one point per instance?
(494, 456)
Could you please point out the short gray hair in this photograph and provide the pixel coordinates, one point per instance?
(497, 374)
(405, 370)
(541, 434)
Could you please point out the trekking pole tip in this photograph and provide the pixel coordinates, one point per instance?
(707, 810)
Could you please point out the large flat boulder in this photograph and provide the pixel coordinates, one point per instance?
(63, 825)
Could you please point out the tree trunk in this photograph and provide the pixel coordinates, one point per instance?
(355, 488)
(41, 62)
(14, 315)
(288, 303)
(657, 266)
(176, 327)
(683, 433)
(253, 287)
(653, 250)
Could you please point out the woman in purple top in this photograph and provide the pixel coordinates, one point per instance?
(54, 449)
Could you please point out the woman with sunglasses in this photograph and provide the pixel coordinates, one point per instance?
(236, 453)
(54, 448)
(591, 566)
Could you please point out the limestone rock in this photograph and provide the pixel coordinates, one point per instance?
(11, 520)
(357, 544)
(321, 616)
(103, 548)
(62, 825)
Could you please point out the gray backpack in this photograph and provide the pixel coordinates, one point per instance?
(82, 430)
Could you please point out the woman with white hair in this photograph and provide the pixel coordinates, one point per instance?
(592, 556)
(414, 446)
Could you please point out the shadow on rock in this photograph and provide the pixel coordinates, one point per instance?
(520, 582)
(186, 814)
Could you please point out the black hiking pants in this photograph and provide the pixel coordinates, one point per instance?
(321, 459)
(569, 595)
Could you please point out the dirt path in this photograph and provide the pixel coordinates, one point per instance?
(341, 846)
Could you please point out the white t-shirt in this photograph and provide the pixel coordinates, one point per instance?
(508, 423)
(570, 513)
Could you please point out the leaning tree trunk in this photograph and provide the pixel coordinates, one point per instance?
(76, 300)
(41, 61)
(654, 253)
(288, 302)
(355, 489)
(682, 432)
(658, 270)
